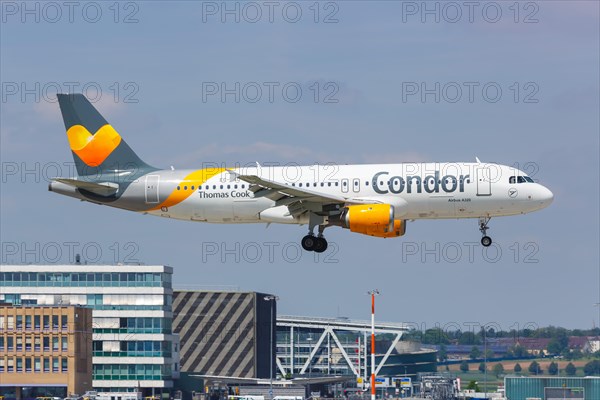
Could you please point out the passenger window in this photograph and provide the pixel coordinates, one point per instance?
(366, 183)
(228, 186)
(322, 184)
(337, 184)
(178, 188)
(344, 183)
(185, 188)
(192, 187)
(329, 184)
(214, 186)
(235, 186)
(200, 187)
(300, 184)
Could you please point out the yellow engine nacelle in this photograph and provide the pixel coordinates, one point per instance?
(373, 220)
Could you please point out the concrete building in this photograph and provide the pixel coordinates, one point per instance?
(47, 349)
(132, 341)
(225, 333)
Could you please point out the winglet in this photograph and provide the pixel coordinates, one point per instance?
(477, 159)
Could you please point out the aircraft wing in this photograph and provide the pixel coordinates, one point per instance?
(283, 193)
(298, 200)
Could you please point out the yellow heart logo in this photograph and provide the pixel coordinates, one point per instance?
(93, 149)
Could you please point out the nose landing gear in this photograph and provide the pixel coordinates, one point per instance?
(486, 241)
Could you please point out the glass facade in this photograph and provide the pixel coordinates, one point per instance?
(132, 319)
(132, 372)
(86, 279)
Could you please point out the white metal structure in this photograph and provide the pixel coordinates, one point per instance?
(299, 356)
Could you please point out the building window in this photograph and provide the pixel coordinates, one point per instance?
(46, 322)
(1, 364)
(19, 343)
(54, 344)
(28, 322)
(19, 364)
(63, 322)
(55, 322)
(11, 365)
(36, 322)
(64, 364)
(46, 343)
(28, 342)
(64, 343)
(36, 365)
(36, 343)
(19, 322)
(55, 364)
(10, 346)
(46, 364)
(28, 364)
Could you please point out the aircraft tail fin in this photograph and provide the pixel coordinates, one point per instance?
(96, 146)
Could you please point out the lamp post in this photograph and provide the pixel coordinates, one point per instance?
(373, 384)
(272, 299)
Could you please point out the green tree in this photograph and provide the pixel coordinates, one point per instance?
(442, 353)
(489, 354)
(518, 368)
(468, 338)
(519, 351)
(570, 369)
(482, 367)
(553, 368)
(464, 366)
(592, 368)
(535, 368)
(498, 369)
(473, 386)
(435, 336)
(475, 353)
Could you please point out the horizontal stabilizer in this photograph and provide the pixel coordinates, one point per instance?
(105, 189)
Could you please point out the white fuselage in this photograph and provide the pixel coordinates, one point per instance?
(416, 190)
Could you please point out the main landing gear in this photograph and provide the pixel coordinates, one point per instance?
(310, 242)
(486, 241)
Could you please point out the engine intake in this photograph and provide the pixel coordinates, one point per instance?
(373, 220)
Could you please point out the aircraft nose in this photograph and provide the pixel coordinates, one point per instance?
(545, 195)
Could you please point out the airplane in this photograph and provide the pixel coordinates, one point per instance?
(372, 199)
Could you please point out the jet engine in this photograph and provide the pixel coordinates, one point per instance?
(373, 220)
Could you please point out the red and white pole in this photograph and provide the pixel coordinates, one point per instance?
(373, 383)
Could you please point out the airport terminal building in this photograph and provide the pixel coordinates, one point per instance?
(133, 345)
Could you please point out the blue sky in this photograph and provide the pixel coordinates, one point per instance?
(548, 268)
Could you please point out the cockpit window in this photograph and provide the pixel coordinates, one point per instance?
(519, 179)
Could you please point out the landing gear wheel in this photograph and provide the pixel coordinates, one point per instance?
(486, 241)
(320, 245)
(309, 242)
